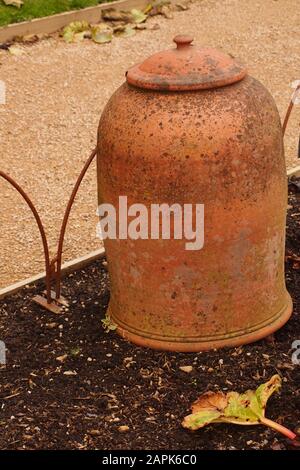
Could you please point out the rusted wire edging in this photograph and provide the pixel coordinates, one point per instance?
(58, 259)
(41, 229)
(53, 267)
(289, 110)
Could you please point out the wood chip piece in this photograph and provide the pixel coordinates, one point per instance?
(186, 369)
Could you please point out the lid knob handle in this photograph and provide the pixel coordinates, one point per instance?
(182, 40)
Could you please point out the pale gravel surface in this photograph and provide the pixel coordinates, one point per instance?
(56, 92)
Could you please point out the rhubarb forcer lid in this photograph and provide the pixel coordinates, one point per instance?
(186, 67)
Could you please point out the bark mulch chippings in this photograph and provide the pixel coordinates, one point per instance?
(69, 385)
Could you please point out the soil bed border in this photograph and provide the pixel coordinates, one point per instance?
(53, 23)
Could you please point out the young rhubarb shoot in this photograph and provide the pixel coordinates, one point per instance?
(108, 324)
(238, 408)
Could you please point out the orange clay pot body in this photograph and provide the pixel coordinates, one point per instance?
(221, 147)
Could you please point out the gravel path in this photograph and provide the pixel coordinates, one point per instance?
(56, 92)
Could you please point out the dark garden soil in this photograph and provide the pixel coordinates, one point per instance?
(52, 401)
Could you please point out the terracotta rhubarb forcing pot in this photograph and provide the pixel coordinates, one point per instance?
(191, 126)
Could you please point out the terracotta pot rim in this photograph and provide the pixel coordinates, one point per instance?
(145, 81)
(202, 344)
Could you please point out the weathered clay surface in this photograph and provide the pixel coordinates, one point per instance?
(186, 67)
(220, 147)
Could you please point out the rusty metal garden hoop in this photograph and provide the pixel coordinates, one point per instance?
(289, 110)
(41, 229)
(65, 221)
(53, 266)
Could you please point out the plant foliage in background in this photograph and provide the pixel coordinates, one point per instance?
(108, 324)
(14, 11)
(238, 408)
(114, 23)
(119, 23)
(75, 31)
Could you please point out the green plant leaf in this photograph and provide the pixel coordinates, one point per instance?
(75, 31)
(107, 324)
(148, 8)
(102, 33)
(264, 391)
(156, 7)
(199, 420)
(125, 31)
(246, 408)
(239, 407)
(68, 35)
(138, 16)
